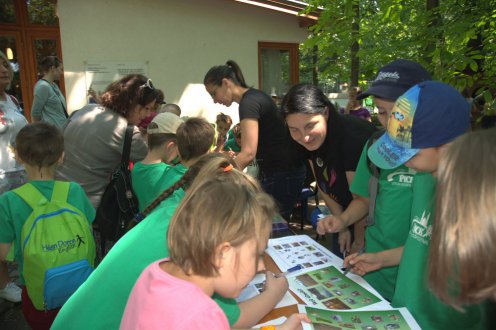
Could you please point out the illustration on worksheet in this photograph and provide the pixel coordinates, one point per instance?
(329, 288)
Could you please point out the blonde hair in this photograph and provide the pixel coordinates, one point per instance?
(230, 207)
(9, 69)
(462, 267)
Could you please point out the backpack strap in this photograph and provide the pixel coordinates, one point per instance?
(30, 194)
(60, 191)
(373, 181)
(126, 150)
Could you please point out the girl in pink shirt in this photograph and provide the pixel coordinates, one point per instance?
(217, 238)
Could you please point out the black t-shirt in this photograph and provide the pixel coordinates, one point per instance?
(276, 151)
(339, 154)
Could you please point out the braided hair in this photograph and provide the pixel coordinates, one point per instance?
(207, 166)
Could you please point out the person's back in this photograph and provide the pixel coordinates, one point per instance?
(40, 147)
(146, 175)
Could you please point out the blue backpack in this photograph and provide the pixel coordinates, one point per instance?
(57, 245)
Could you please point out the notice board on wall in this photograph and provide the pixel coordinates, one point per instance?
(99, 74)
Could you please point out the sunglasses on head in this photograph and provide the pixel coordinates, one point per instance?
(148, 85)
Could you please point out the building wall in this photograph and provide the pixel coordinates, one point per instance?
(179, 39)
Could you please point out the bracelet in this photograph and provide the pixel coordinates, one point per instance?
(268, 327)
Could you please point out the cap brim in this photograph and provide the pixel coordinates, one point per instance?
(388, 92)
(387, 154)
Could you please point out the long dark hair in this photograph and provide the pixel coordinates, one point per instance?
(230, 70)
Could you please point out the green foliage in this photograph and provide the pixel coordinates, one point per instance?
(455, 42)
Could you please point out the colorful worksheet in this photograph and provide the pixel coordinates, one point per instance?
(290, 251)
(322, 319)
(329, 288)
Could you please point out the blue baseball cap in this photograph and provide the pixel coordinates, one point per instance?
(429, 114)
(395, 78)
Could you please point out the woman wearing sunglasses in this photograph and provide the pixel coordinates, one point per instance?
(265, 136)
(94, 135)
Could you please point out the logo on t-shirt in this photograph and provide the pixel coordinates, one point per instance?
(401, 177)
(421, 230)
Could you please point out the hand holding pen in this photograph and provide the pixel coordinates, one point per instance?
(362, 263)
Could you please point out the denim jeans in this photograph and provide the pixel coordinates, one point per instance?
(285, 187)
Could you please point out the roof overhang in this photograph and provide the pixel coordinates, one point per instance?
(286, 6)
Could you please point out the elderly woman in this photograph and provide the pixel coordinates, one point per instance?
(12, 174)
(49, 103)
(94, 135)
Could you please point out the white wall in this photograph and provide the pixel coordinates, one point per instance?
(180, 40)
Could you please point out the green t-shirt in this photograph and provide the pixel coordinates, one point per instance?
(392, 217)
(100, 302)
(146, 182)
(232, 145)
(411, 286)
(14, 212)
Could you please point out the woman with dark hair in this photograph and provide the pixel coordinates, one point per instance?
(265, 137)
(94, 135)
(49, 103)
(334, 145)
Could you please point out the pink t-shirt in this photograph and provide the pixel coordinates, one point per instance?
(161, 301)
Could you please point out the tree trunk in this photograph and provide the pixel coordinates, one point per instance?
(355, 29)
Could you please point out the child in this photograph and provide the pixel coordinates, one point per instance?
(424, 121)
(39, 147)
(145, 244)
(223, 124)
(172, 108)
(463, 240)
(162, 149)
(217, 239)
(390, 225)
(234, 144)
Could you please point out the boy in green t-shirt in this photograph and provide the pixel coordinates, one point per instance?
(40, 148)
(427, 118)
(162, 149)
(390, 224)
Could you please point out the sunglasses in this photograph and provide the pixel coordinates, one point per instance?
(148, 85)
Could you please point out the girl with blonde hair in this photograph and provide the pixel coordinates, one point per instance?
(462, 267)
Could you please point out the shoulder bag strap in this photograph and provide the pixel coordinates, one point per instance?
(126, 150)
(60, 191)
(29, 194)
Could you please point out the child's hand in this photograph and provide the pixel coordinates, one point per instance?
(294, 322)
(277, 286)
(362, 264)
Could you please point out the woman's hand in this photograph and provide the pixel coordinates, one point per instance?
(330, 224)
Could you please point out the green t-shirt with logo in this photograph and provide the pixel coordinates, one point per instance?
(14, 212)
(100, 302)
(411, 286)
(392, 217)
(145, 179)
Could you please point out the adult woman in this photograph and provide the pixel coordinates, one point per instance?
(334, 143)
(49, 103)
(265, 136)
(94, 135)
(12, 174)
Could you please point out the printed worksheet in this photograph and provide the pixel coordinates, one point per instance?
(330, 288)
(300, 250)
(257, 285)
(323, 319)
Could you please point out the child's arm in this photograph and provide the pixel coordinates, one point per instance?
(362, 264)
(4, 251)
(252, 310)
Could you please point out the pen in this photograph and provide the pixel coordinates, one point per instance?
(347, 269)
(292, 269)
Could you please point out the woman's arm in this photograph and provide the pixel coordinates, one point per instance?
(249, 142)
(41, 93)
